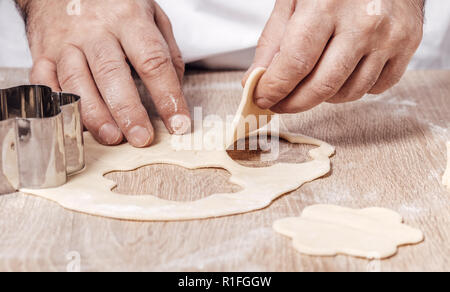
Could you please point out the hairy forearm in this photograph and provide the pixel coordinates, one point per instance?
(24, 7)
(22, 3)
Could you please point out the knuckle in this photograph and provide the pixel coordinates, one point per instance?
(154, 64)
(69, 72)
(264, 42)
(284, 5)
(400, 35)
(327, 5)
(89, 112)
(67, 51)
(39, 62)
(409, 37)
(300, 63)
(108, 67)
(344, 66)
(37, 69)
(324, 89)
(127, 111)
(309, 32)
(106, 60)
(129, 9)
(89, 108)
(101, 48)
(366, 82)
(357, 42)
(373, 24)
(70, 78)
(415, 39)
(275, 89)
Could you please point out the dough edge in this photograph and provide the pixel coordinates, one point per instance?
(409, 235)
(255, 195)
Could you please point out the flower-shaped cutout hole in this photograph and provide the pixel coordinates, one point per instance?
(264, 153)
(173, 182)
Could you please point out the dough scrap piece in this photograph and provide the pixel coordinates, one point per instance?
(327, 230)
(446, 177)
(247, 109)
(90, 192)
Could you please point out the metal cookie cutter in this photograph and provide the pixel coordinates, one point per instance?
(41, 138)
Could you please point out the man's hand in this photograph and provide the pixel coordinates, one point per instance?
(334, 50)
(88, 55)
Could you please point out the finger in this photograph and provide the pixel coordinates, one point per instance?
(362, 79)
(165, 26)
(302, 45)
(270, 40)
(336, 65)
(113, 78)
(44, 73)
(150, 56)
(75, 77)
(391, 74)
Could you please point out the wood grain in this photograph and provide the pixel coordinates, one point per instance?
(390, 153)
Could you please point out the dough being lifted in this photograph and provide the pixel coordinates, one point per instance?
(247, 109)
(446, 177)
(90, 192)
(326, 230)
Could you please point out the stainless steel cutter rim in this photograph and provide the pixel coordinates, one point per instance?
(38, 117)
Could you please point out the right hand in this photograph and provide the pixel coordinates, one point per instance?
(87, 55)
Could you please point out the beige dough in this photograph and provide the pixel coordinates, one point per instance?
(446, 177)
(248, 109)
(90, 192)
(326, 230)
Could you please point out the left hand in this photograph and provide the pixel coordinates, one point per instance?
(334, 51)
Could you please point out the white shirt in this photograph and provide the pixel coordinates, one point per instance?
(224, 33)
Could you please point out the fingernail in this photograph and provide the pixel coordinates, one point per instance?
(139, 136)
(180, 124)
(109, 134)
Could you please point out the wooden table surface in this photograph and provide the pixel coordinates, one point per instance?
(390, 153)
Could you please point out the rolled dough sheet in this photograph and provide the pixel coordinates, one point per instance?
(446, 177)
(90, 192)
(326, 230)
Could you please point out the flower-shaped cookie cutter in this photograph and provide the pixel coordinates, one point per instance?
(41, 138)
